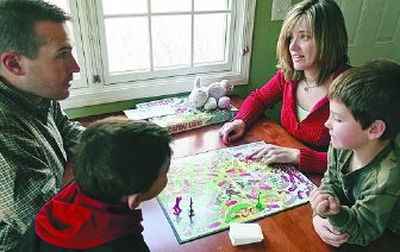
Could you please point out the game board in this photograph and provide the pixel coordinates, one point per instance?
(226, 187)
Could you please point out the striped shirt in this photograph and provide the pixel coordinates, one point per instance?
(34, 140)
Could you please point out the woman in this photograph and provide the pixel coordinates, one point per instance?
(312, 51)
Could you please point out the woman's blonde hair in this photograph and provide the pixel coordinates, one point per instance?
(329, 33)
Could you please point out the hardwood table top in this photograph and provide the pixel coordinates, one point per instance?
(290, 230)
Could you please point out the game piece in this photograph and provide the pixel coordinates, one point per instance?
(191, 211)
(259, 205)
(176, 208)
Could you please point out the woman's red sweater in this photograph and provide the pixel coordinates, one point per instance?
(310, 131)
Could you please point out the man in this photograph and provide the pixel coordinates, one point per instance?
(36, 68)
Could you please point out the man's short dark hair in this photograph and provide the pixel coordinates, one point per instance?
(119, 157)
(17, 24)
(371, 92)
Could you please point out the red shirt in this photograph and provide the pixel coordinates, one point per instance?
(73, 220)
(310, 131)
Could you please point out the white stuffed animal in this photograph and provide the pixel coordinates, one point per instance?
(211, 97)
(218, 90)
(199, 95)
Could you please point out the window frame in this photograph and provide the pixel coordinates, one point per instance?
(95, 88)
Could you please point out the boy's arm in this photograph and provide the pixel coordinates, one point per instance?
(329, 187)
(330, 183)
(368, 218)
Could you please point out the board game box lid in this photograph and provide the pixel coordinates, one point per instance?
(176, 114)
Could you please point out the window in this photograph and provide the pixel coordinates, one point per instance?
(133, 49)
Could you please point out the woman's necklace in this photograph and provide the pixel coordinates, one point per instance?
(308, 86)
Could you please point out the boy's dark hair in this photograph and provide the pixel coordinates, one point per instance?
(17, 24)
(371, 92)
(118, 157)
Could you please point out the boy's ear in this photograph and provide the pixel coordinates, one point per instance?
(376, 130)
(134, 200)
(12, 62)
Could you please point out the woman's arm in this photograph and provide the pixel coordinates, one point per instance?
(260, 99)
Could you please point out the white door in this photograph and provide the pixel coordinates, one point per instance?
(373, 27)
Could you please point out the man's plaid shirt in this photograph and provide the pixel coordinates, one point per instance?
(34, 140)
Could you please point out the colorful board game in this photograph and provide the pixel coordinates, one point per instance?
(176, 114)
(208, 191)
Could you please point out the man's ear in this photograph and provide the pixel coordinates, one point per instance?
(134, 200)
(376, 130)
(12, 62)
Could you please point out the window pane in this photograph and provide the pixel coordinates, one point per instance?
(210, 34)
(127, 44)
(208, 5)
(124, 6)
(171, 40)
(170, 5)
(63, 4)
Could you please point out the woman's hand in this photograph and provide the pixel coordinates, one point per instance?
(328, 233)
(276, 154)
(231, 131)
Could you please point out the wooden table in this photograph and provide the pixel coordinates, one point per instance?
(287, 231)
(290, 230)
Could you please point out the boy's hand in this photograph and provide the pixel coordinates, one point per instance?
(323, 203)
(328, 233)
(317, 197)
